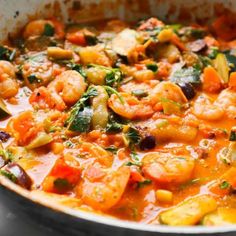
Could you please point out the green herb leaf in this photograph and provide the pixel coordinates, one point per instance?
(144, 183)
(232, 136)
(48, 30)
(6, 53)
(33, 79)
(133, 163)
(91, 39)
(213, 52)
(111, 90)
(77, 67)
(62, 184)
(81, 113)
(133, 137)
(113, 76)
(153, 67)
(225, 185)
(113, 149)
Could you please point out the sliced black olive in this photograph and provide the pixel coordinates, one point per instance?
(188, 90)
(147, 143)
(21, 177)
(4, 136)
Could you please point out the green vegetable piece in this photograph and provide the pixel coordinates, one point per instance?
(114, 127)
(48, 30)
(222, 67)
(82, 120)
(221, 217)
(9, 175)
(4, 112)
(186, 75)
(81, 113)
(41, 140)
(140, 93)
(189, 212)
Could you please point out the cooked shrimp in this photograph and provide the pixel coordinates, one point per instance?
(132, 108)
(169, 91)
(8, 84)
(104, 191)
(37, 70)
(69, 86)
(204, 109)
(166, 168)
(66, 89)
(37, 28)
(227, 101)
(94, 151)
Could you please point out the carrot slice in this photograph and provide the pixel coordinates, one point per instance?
(211, 80)
(177, 42)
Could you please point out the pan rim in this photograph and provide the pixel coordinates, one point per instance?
(108, 221)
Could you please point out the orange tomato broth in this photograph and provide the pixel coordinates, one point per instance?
(76, 163)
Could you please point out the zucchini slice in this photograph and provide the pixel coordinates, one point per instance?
(223, 216)
(41, 140)
(190, 212)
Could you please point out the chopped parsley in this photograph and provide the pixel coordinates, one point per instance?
(225, 185)
(48, 30)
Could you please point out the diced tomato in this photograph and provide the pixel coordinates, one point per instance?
(77, 38)
(64, 173)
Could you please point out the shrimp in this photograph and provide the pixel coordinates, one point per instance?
(66, 89)
(104, 190)
(37, 28)
(68, 86)
(102, 156)
(131, 108)
(165, 168)
(227, 101)
(169, 91)
(8, 84)
(37, 70)
(204, 109)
